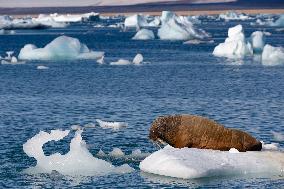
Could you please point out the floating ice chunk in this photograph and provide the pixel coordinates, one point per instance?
(111, 125)
(136, 20)
(197, 42)
(101, 60)
(76, 127)
(42, 67)
(279, 21)
(101, 153)
(8, 22)
(188, 163)
(144, 34)
(277, 136)
(178, 28)
(138, 154)
(12, 60)
(92, 16)
(138, 59)
(257, 41)
(235, 46)
(234, 150)
(270, 147)
(230, 15)
(116, 152)
(90, 125)
(61, 48)
(272, 55)
(49, 21)
(121, 62)
(78, 161)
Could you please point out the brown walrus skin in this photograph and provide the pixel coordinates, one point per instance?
(198, 132)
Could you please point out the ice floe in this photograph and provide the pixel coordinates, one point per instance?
(137, 20)
(231, 15)
(137, 60)
(92, 16)
(188, 163)
(257, 41)
(272, 55)
(111, 125)
(144, 34)
(116, 152)
(178, 28)
(77, 162)
(235, 45)
(61, 48)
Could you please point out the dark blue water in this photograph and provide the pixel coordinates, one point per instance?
(177, 79)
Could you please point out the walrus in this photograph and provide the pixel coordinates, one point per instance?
(199, 132)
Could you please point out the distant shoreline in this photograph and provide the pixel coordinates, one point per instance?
(185, 13)
(154, 9)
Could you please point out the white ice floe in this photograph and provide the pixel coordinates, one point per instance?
(197, 42)
(137, 20)
(111, 125)
(41, 67)
(116, 152)
(137, 60)
(257, 41)
(278, 22)
(230, 15)
(77, 162)
(234, 150)
(92, 16)
(235, 45)
(188, 163)
(61, 48)
(178, 28)
(144, 34)
(272, 55)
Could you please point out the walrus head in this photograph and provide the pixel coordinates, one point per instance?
(163, 129)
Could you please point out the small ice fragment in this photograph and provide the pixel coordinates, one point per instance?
(42, 67)
(101, 60)
(76, 127)
(116, 152)
(234, 150)
(138, 59)
(112, 125)
(144, 34)
(257, 41)
(90, 125)
(121, 62)
(101, 153)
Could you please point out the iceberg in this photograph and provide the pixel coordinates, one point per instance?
(61, 48)
(69, 18)
(77, 162)
(144, 34)
(136, 20)
(272, 55)
(178, 28)
(111, 125)
(257, 41)
(189, 163)
(235, 45)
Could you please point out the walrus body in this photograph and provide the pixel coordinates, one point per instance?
(198, 132)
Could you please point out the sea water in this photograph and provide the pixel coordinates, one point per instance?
(175, 78)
